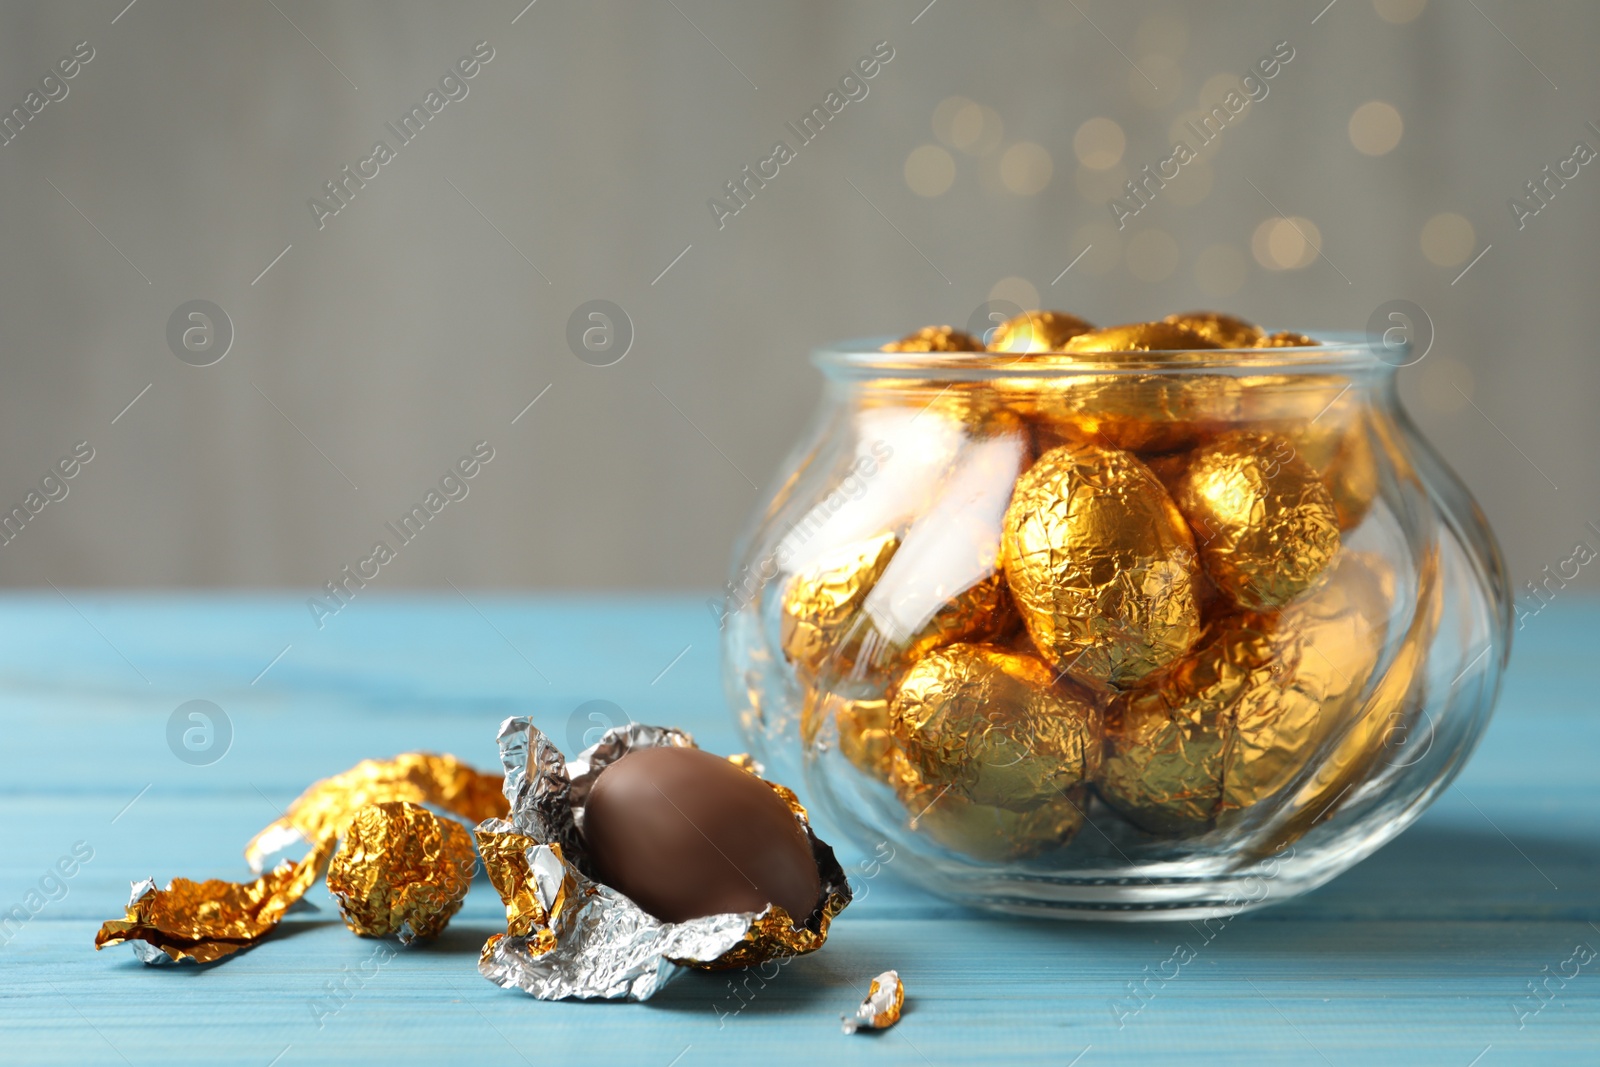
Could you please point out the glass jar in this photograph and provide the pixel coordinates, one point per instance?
(1130, 635)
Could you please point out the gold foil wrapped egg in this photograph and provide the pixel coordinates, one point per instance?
(1226, 331)
(821, 605)
(828, 633)
(1037, 331)
(1287, 339)
(984, 832)
(935, 339)
(1233, 724)
(1263, 518)
(1100, 565)
(864, 737)
(995, 726)
(1162, 337)
(1145, 413)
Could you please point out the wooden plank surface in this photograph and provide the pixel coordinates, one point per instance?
(1424, 954)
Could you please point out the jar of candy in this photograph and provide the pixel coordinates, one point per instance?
(1160, 620)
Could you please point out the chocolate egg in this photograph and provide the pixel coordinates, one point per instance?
(1226, 331)
(684, 833)
(935, 339)
(1287, 339)
(829, 633)
(995, 726)
(1156, 337)
(1037, 331)
(1101, 565)
(984, 832)
(1145, 413)
(1263, 518)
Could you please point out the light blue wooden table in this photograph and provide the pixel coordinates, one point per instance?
(1424, 954)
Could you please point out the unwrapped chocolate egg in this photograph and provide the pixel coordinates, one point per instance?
(1223, 330)
(684, 834)
(995, 726)
(1263, 518)
(935, 339)
(1037, 331)
(1101, 565)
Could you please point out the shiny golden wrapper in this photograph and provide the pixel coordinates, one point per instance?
(1165, 745)
(1287, 339)
(995, 727)
(401, 871)
(1159, 337)
(1347, 623)
(826, 633)
(1139, 412)
(1263, 518)
(1251, 711)
(1223, 330)
(505, 860)
(202, 922)
(771, 935)
(935, 339)
(1329, 423)
(1145, 413)
(985, 832)
(1101, 566)
(1037, 331)
(864, 736)
(324, 810)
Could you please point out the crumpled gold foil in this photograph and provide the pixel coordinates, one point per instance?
(984, 832)
(1220, 328)
(828, 635)
(935, 339)
(202, 922)
(995, 726)
(881, 1007)
(401, 871)
(1263, 518)
(1100, 564)
(322, 812)
(570, 936)
(1037, 331)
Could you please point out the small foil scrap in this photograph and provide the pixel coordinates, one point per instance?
(323, 811)
(881, 1009)
(569, 936)
(401, 871)
(202, 922)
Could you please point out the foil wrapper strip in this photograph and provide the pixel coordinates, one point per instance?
(401, 871)
(568, 935)
(202, 922)
(885, 999)
(322, 813)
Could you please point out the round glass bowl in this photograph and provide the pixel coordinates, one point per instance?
(1124, 636)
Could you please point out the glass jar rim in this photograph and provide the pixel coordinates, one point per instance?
(1346, 353)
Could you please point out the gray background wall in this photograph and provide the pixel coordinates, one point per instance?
(426, 314)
